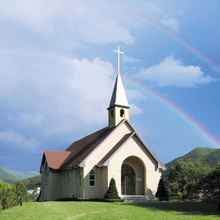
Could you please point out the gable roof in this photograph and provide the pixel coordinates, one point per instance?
(76, 152)
(80, 149)
(55, 158)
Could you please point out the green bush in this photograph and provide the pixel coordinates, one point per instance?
(12, 195)
(112, 192)
(162, 192)
(7, 195)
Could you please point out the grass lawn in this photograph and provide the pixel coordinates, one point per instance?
(110, 211)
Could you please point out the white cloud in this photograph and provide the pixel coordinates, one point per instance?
(171, 23)
(55, 95)
(16, 140)
(172, 72)
(96, 21)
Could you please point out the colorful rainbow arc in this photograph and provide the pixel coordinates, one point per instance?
(185, 43)
(189, 119)
(172, 105)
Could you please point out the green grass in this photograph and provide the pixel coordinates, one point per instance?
(110, 211)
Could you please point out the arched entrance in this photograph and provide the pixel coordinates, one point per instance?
(127, 180)
(132, 176)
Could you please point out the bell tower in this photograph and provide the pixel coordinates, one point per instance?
(118, 108)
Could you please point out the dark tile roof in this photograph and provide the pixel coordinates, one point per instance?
(81, 148)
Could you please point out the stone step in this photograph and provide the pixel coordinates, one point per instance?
(134, 198)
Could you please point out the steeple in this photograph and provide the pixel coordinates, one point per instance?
(118, 108)
(119, 96)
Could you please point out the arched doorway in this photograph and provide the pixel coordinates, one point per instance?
(128, 180)
(132, 176)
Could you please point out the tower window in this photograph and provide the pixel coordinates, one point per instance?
(92, 178)
(122, 112)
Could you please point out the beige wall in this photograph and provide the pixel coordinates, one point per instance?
(132, 148)
(62, 184)
(101, 186)
(105, 146)
(129, 148)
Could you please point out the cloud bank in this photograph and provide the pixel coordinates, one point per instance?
(172, 72)
(96, 22)
(51, 96)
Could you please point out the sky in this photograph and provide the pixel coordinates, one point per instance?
(57, 70)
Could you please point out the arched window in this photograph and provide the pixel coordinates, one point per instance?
(92, 178)
(122, 112)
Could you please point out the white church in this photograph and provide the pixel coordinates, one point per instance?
(85, 168)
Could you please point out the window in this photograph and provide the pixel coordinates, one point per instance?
(122, 112)
(92, 178)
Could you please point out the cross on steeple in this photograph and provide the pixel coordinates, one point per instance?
(118, 109)
(119, 53)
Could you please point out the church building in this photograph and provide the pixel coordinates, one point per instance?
(85, 168)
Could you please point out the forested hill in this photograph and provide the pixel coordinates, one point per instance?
(6, 176)
(10, 176)
(206, 158)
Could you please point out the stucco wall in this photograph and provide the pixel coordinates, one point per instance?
(95, 156)
(62, 184)
(101, 186)
(132, 148)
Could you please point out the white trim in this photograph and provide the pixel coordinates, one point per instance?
(108, 161)
(82, 164)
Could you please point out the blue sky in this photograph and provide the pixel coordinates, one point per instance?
(57, 72)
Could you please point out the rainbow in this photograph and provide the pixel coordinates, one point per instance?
(186, 117)
(172, 105)
(185, 43)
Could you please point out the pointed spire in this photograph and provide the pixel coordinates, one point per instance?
(118, 96)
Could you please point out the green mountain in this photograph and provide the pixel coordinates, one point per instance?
(32, 182)
(6, 176)
(206, 158)
(11, 176)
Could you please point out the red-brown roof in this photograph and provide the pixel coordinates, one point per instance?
(55, 159)
(76, 152)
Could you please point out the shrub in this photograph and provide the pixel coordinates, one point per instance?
(162, 192)
(12, 195)
(21, 193)
(7, 195)
(112, 193)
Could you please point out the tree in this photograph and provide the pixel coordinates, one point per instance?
(21, 193)
(112, 192)
(162, 191)
(7, 195)
(182, 178)
(210, 186)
